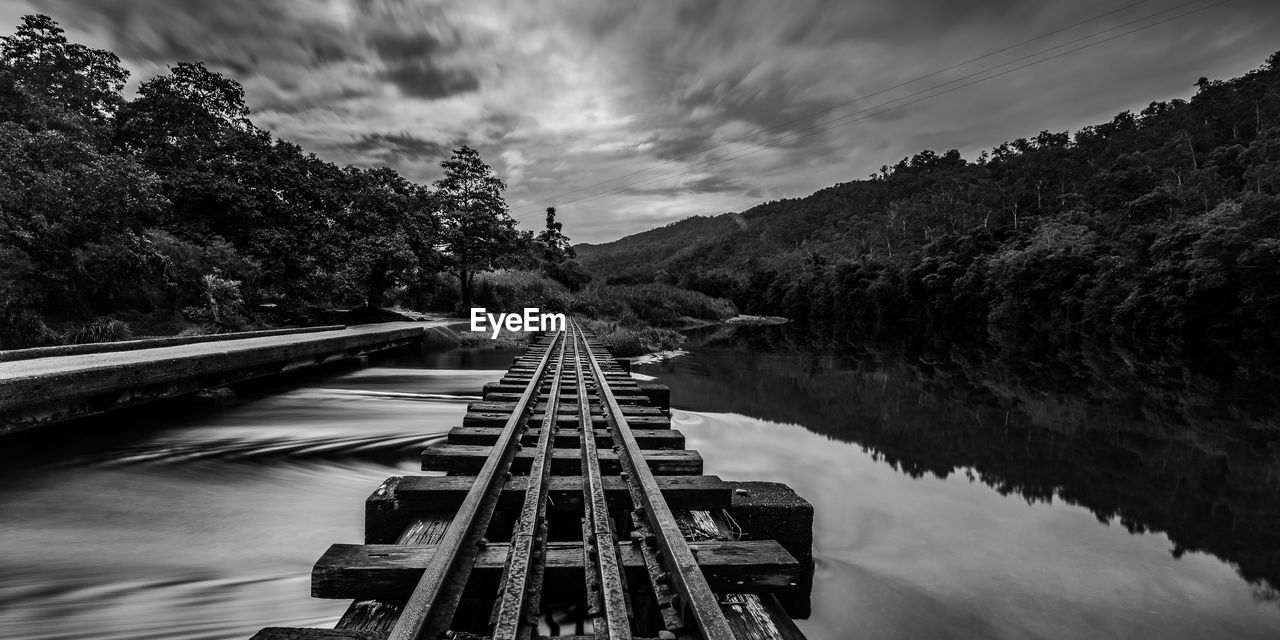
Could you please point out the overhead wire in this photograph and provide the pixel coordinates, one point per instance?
(926, 94)
(841, 105)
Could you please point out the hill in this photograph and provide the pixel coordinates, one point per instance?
(1162, 222)
(670, 242)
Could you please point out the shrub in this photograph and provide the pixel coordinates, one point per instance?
(101, 329)
(223, 307)
(511, 290)
(21, 328)
(655, 303)
(633, 340)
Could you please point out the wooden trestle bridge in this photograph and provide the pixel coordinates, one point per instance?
(570, 508)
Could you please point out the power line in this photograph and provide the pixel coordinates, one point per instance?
(877, 110)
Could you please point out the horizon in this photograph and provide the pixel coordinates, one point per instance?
(628, 118)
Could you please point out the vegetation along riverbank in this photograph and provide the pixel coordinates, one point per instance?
(173, 213)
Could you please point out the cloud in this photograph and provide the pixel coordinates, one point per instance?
(630, 114)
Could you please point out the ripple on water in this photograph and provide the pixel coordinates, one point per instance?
(207, 528)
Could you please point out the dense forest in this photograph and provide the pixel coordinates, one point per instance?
(1159, 223)
(172, 211)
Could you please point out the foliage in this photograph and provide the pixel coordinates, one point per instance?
(557, 255)
(477, 232)
(658, 304)
(513, 290)
(174, 202)
(49, 81)
(100, 329)
(222, 306)
(1159, 223)
(627, 339)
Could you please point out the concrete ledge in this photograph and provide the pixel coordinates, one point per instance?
(54, 389)
(150, 343)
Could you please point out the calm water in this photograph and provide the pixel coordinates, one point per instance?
(953, 499)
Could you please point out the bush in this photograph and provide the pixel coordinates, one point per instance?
(511, 291)
(655, 303)
(21, 328)
(626, 340)
(97, 330)
(223, 307)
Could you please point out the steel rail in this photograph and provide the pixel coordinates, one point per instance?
(682, 567)
(598, 537)
(430, 608)
(521, 577)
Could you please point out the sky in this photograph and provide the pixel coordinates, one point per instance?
(627, 115)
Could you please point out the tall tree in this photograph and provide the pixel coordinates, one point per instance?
(384, 227)
(477, 232)
(49, 82)
(557, 255)
(554, 244)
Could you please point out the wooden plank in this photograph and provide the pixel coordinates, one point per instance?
(379, 616)
(497, 419)
(391, 507)
(758, 617)
(569, 439)
(434, 599)
(513, 387)
(606, 581)
(390, 571)
(485, 406)
(522, 572)
(463, 458)
(286, 633)
(695, 592)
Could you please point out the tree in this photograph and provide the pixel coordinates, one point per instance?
(49, 79)
(557, 255)
(554, 244)
(72, 223)
(188, 102)
(377, 225)
(477, 232)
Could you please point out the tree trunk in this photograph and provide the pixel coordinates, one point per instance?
(465, 280)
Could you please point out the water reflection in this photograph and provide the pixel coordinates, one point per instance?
(960, 496)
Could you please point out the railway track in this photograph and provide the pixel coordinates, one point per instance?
(557, 520)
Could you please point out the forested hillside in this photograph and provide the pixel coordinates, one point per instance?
(1163, 222)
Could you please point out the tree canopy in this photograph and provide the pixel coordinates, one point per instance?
(173, 208)
(476, 231)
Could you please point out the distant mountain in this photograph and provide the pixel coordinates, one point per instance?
(834, 221)
(637, 252)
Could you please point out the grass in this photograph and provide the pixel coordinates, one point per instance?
(631, 319)
(505, 340)
(635, 340)
(657, 304)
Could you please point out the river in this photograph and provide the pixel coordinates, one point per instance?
(953, 499)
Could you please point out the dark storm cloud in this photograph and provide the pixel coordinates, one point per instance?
(239, 35)
(403, 42)
(425, 80)
(402, 144)
(410, 42)
(705, 184)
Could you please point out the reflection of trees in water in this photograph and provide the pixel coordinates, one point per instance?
(1157, 443)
